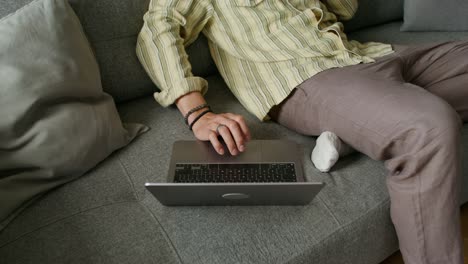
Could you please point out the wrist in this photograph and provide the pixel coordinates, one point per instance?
(194, 111)
(198, 119)
(189, 101)
(194, 115)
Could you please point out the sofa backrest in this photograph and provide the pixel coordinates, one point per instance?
(112, 27)
(375, 12)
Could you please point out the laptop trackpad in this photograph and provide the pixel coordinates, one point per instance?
(252, 153)
(203, 152)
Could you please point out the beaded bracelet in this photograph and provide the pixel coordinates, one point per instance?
(193, 110)
(198, 117)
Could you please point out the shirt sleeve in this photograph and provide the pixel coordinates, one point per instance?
(169, 26)
(343, 9)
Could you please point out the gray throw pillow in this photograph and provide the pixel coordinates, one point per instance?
(435, 15)
(55, 121)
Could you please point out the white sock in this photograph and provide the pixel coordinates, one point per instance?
(327, 150)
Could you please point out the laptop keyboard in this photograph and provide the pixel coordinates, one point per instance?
(259, 172)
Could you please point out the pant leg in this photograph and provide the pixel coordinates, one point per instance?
(373, 109)
(442, 69)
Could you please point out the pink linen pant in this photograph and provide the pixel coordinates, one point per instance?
(406, 109)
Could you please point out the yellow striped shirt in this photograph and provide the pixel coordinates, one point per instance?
(262, 48)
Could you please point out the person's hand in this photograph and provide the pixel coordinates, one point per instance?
(232, 129)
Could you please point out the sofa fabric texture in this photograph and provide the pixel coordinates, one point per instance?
(56, 122)
(330, 230)
(107, 216)
(374, 12)
(112, 27)
(435, 15)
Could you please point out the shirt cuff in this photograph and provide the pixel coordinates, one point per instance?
(191, 84)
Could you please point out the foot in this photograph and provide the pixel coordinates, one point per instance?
(327, 150)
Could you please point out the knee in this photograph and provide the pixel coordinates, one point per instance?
(432, 132)
(438, 124)
(440, 121)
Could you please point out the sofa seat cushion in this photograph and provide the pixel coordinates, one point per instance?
(348, 220)
(122, 232)
(353, 204)
(106, 184)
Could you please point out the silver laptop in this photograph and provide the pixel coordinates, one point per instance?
(269, 172)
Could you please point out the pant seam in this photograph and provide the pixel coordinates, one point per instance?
(420, 219)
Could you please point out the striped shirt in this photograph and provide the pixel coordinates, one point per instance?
(263, 48)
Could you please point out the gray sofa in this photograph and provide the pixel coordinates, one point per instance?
(107, 216)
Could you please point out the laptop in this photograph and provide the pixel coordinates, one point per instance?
(269, 172)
